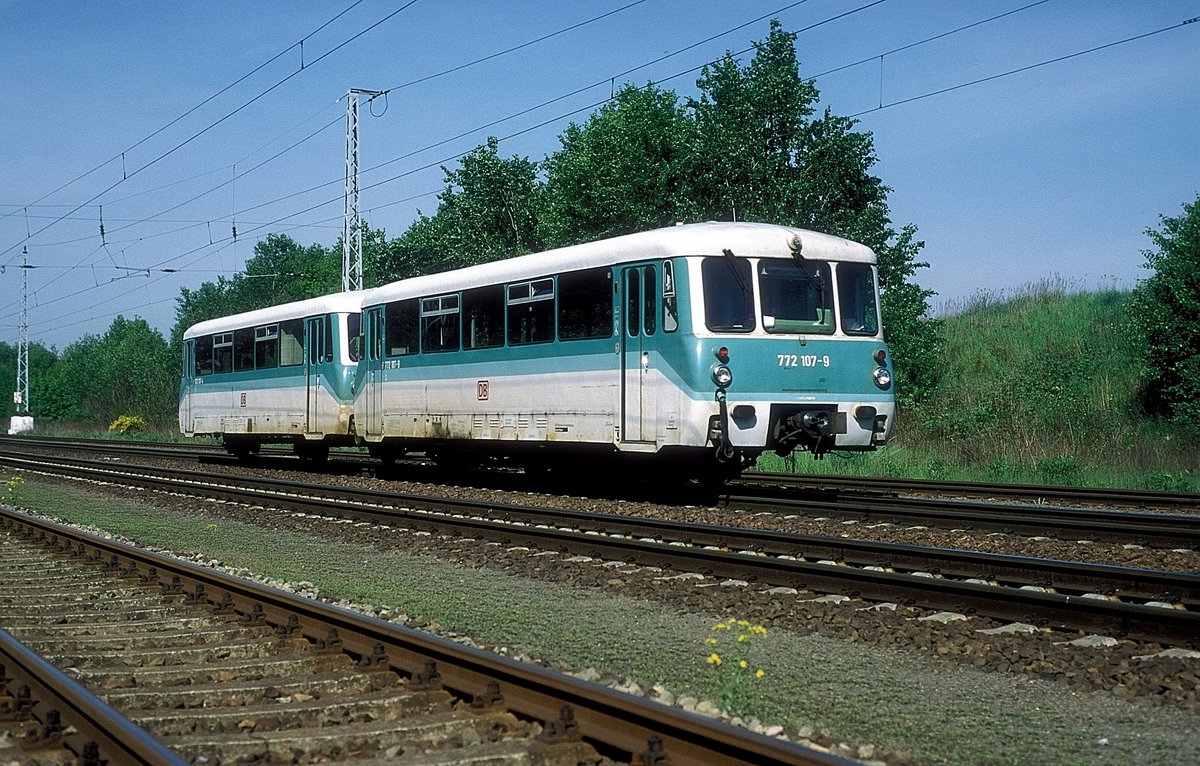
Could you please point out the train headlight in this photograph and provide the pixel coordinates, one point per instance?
(883, 378)
(722, 375)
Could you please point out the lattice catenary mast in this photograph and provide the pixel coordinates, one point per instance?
(21, 420)
(352, 270)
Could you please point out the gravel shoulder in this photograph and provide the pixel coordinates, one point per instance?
(941, 698)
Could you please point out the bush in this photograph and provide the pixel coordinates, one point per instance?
(128, 424)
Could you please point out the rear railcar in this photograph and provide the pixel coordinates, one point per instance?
(286, 374)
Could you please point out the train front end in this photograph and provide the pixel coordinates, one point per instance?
(788, 334)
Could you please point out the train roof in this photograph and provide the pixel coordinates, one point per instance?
(346, 302)
(753, 240)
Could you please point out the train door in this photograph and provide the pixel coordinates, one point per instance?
(316, 330)
(373, 393)
(189, 381)
(639, 331)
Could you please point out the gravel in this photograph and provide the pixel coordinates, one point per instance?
(883, 683)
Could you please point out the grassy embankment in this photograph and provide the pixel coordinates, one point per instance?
(1040, 388)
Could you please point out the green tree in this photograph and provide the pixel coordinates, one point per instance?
(1165, 309)
(41, 361)
(281, 270)
(487, 211)
(763, 156)
(624, 170)
(130, 370)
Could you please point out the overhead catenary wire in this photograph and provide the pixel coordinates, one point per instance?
(225, 117)
(908, 100)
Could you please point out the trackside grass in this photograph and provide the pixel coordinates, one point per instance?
(1038, 388)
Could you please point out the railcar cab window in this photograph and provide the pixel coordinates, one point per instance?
(585, 304)
(728, 294)
(439, 323)
(856, 299)
(797, 296)
(243, 349)
(402, 327)
(204, 355)
(531, 312)
(483, 317)
(670, 306)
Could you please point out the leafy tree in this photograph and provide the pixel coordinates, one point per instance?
(280, 271)
(624, 170)
(487, 211)
(1166, 311)
(763, 156)
(130, 370)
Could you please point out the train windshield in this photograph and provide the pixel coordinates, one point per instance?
(797, 296)
(856, 299)
(728, 294)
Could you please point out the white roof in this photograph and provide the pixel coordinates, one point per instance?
(751, 240)
(348, 302)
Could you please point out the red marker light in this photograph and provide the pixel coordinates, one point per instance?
(723, 354)
(880, 356)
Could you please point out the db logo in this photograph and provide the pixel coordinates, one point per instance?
(481, 390)
(243, 398)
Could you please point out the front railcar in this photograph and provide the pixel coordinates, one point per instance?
(790, 343)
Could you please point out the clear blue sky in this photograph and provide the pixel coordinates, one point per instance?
(1050, 173)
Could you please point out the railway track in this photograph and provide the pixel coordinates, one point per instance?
(159, 661)
(1136, 603)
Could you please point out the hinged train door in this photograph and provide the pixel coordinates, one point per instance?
(639, 308)
(315, 329)
(373, 391)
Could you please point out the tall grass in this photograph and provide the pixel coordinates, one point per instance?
(1039, 386)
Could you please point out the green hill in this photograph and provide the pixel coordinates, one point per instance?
(1040, 388)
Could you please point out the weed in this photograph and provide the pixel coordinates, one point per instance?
(730, 656)
(11, 488)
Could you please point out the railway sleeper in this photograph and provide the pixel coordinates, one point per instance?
(450, 731)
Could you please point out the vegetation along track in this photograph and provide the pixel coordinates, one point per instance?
(1135, 603)
(223, 670)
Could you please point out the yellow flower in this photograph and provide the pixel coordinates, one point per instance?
(742, 638)
(759, 673)
(710, 640)
(714, 659)
(742, 664)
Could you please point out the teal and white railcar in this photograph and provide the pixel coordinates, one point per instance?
(701, 346)
(285, 374)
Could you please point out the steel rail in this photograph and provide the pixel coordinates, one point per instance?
(101, 733)
(1159, 529)
(531, 526)
(611, 720)
(1135, 497)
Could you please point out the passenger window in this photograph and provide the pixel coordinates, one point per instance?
(585, 307)
(439, 323)
(291, 343)
(243, 349)
(402, 332)
(531, 312)
(483, 317)
(223, 352)
(266, 347)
